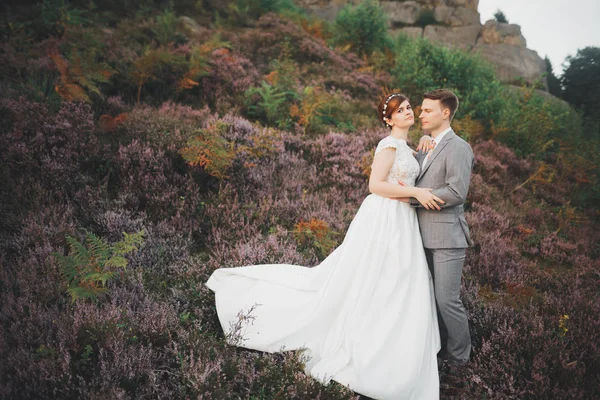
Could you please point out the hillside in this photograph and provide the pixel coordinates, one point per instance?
(233, 133)
(456, 24)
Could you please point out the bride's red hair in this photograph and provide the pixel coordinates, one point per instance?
(393, 103)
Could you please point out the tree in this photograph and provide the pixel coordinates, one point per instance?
(362, 27)
(581, 82)
(500, 17)
(553, 82)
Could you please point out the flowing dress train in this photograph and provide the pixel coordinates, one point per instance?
(365, 316)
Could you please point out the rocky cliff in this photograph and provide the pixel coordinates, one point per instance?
(456, 24)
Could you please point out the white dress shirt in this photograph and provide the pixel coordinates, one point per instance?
(437, 140)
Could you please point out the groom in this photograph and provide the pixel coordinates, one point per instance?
(447, 170)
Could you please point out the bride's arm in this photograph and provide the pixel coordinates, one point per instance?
(377, 181)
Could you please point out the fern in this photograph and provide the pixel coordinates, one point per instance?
(91, 264)
(198, 64)
(79, 73)
(152, 61)
(266, 102)
(208, 149)
(313, 100)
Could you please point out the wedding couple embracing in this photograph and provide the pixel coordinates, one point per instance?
(373, 314)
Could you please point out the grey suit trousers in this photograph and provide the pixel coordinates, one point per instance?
(446, 236)
(446, 266)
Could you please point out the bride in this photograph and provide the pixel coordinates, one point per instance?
(365, 317)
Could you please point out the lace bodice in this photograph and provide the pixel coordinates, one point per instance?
(405, 167)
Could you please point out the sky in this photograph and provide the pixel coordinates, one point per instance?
(553, 28)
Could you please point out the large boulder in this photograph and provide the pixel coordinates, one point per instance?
(458, 37)
(402, 13)
(455, 16)
(471, 4)
(513, 62)
(494, 32)
(412, 31)
(192, 28)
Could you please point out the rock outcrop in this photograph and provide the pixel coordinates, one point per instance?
(455, 24)
(494, 32)
(460, 37)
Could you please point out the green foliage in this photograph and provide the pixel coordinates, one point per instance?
(55, 16)
(420, 66)
(242, 12)
(362, 27)
(165, 26)
(532, 125)
(308, 110)
(500, 17)
(315, 234)
(426, 17)
(155, 64)
(89, 265)
(554, 86)
(346, 114)
(209, 150)
(267, 103)
(581, 82)
(271, 101)
(40, 87)
(80, 74)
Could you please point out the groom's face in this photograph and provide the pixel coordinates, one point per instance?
(432, 115)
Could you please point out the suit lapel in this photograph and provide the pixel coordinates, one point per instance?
(438, 149)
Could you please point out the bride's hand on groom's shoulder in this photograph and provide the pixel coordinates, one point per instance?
(426, 143)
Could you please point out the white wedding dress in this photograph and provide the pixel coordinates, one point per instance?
(365, 316)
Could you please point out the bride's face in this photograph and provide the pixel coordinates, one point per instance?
(403, 117)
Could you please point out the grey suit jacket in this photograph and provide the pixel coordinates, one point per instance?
(448, 173)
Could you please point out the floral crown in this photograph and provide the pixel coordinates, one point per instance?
(387, 100)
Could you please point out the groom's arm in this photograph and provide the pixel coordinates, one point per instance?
(419, 156)
(458, 178)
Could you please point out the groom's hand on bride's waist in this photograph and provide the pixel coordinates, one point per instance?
(435, 205)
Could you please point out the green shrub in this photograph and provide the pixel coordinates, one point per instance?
(165, 27)
(426, 17)
(315, 234)
(158, 70)
(531, 124)
(420, 66)
(362, 27)
(242, 12)
(56, 16)
(500, 17)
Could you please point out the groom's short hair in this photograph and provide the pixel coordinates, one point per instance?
(446, 97)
